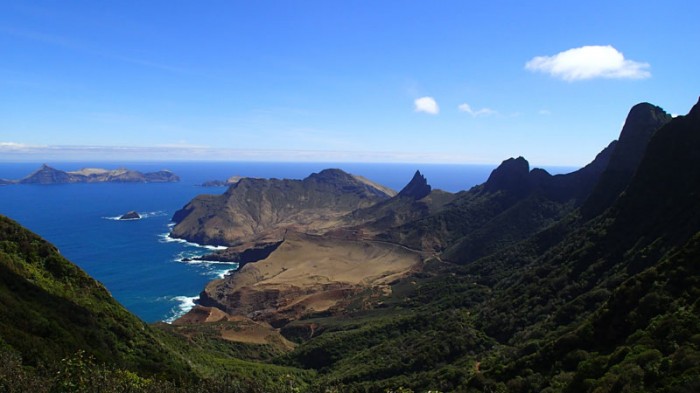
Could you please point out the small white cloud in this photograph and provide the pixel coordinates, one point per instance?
(544, 112)
(427, 105)
(589, 62)
(476, 112)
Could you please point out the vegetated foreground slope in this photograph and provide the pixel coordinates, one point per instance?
(61, 331)
(50, 309)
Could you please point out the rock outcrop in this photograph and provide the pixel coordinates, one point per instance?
(131, 215)
(642, 122)
(417, 188)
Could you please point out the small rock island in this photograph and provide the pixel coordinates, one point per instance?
(131, 215)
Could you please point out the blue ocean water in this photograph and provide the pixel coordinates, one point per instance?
(135, 260)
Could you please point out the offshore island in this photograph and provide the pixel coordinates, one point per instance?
(49, 175)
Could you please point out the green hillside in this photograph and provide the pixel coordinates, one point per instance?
(49, 309)
(60, 330)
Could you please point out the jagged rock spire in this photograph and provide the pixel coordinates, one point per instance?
(417, 188)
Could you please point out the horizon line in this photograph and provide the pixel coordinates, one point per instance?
(23, 153)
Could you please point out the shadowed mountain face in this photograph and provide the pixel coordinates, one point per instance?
(642, 122)
(417, 188)
(512, 176)
(514, 203)
(265, 208)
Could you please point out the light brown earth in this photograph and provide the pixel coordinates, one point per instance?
(236, 328)
(308, 274)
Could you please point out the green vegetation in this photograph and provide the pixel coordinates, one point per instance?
(61, 331)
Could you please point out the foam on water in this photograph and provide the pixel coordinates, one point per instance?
(142, 215)
(185, 304)
(214, 269)
(166, 238)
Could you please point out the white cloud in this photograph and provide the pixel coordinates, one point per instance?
(544, 112)
(476, 112)
(589, 62)
(427, 105)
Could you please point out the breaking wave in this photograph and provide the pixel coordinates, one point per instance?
(185, 304)
(143, 215)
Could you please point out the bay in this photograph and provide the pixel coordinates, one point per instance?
(135, 260)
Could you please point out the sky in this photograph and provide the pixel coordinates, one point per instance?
(472, 82)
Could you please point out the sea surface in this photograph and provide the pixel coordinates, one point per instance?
(136, 260)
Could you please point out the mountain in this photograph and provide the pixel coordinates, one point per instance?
(415, 201)
(263, 209)
(642, 122)
(588, 304)
(48, 175)
(511, 205)
(417, 188)
(520, 287)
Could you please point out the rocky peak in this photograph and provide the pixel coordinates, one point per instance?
(331, 175)
(511, 175)
(417, 188)
(642, 122)
(694, 111)
(46, 175)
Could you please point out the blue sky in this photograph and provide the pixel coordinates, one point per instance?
(377, 81)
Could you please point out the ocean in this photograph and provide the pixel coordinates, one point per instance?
(136, 260)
